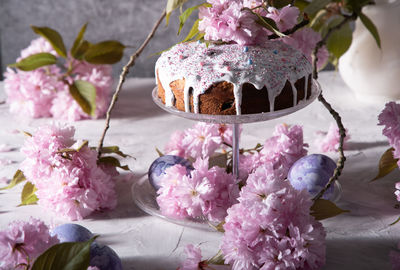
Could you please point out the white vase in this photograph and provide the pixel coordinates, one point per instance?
(374, 74)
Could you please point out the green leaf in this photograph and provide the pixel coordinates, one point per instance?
(371, 28)
(112, 161)
(171, 6)
(186, 14)
(69, 150)
(301, 4)
(113, 150)
(35, 61)
(53, 37)
(28, 195)
(340, 40)
(315, 6)
(219, 160)
(319, 20)
(85, 94)
(322, 209)
(217, 259)
(19, 177)
(65, 256)
(105, 52)
(387, 163)
(81, 50)
(78, 41)
(193, 32)
(266, 23)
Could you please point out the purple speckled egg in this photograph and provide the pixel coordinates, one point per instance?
(104, 257)
(158, 167)
(312, 172)
(70, 232)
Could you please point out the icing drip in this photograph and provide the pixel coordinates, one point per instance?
(294, 90)
(270, 65)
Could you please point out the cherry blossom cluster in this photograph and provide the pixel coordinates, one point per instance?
(65, 172)
(23, 241)
(44, 92)
(232, 21)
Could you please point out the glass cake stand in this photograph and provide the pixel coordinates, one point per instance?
(144, 195)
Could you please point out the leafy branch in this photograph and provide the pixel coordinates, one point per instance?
(122, 77)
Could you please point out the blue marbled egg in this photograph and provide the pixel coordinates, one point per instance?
(158, 167)
(312, 173)
(104, 257)
(70, 232)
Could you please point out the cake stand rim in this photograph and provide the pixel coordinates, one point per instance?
(240, 119)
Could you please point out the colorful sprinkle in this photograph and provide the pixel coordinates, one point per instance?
(245, 49)
(275, 51)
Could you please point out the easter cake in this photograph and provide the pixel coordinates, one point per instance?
(232, 79)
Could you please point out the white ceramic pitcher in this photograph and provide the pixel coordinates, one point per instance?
(374, 74)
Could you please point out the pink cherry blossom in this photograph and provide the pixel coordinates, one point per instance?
(285, 18)
(38, 45)
(390, 119)
(271, 228)
(70, 184)
(174, 145)
(329, 141)
(227, 21)
(22, 240)
(204, 193)
(202, 140)
(193, 259)
(305, 40)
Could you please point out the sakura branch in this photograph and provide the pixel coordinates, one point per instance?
(122, 77)
(335, 114)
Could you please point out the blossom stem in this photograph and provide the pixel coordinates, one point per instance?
(342, 131)
(124, 73)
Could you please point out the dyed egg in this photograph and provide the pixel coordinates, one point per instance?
(158, 167)
(104, 257)
(312, 173)
(71, 233)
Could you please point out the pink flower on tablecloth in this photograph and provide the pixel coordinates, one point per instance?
(227, 21)
(24, 239)
(271, 227)
(202, 140)
(93, 268)
(305, 40)
(64, 105)
(284, 148)
(285, 17)
(38, 45)
(329, 141)
(31, 93)
(193, 258)
(70, 184)
(204, 193)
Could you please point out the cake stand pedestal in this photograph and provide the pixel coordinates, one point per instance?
(144, 195)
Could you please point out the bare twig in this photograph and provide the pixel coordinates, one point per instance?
(301, 24)
(335, 115)
(125, 71)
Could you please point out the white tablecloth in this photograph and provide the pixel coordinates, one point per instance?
(360, 239)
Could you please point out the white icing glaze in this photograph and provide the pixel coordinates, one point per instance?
(270, 65)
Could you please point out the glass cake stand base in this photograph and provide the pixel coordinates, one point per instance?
(144, 196)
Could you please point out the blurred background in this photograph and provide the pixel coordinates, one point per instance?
(128, 21)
